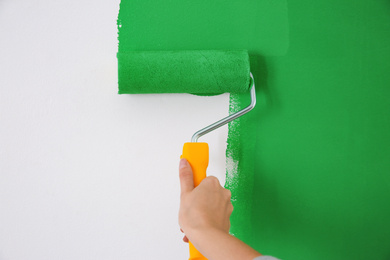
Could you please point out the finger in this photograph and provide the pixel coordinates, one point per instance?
(230, 208)
(228, 193)
(212, 182)
(181, 230)
(185, 239)
(186, 176)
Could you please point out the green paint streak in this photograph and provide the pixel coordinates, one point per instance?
(309, 168)
(241, 155)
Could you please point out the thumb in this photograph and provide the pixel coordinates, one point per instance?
(186, 176)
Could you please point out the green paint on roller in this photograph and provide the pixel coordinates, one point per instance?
(198, 72)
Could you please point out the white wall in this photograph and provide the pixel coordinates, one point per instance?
(86, 173)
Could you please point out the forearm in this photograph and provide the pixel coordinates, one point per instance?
(216, 244)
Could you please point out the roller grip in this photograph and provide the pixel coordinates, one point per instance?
(197, 154)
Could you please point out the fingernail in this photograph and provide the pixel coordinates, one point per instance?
(183, 163)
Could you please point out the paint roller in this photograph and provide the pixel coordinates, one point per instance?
(201, 72)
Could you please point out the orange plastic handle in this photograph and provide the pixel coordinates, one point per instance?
(197, 154)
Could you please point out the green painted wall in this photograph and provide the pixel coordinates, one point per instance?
(315, 153)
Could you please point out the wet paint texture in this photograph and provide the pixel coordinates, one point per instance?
(309, 168)
(201, 72)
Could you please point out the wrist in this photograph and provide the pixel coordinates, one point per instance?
(215, 243)
(206, 239)
(204, 232)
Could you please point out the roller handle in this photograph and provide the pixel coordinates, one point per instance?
(197, 154)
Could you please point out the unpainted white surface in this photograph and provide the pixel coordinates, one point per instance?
(86, 173)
